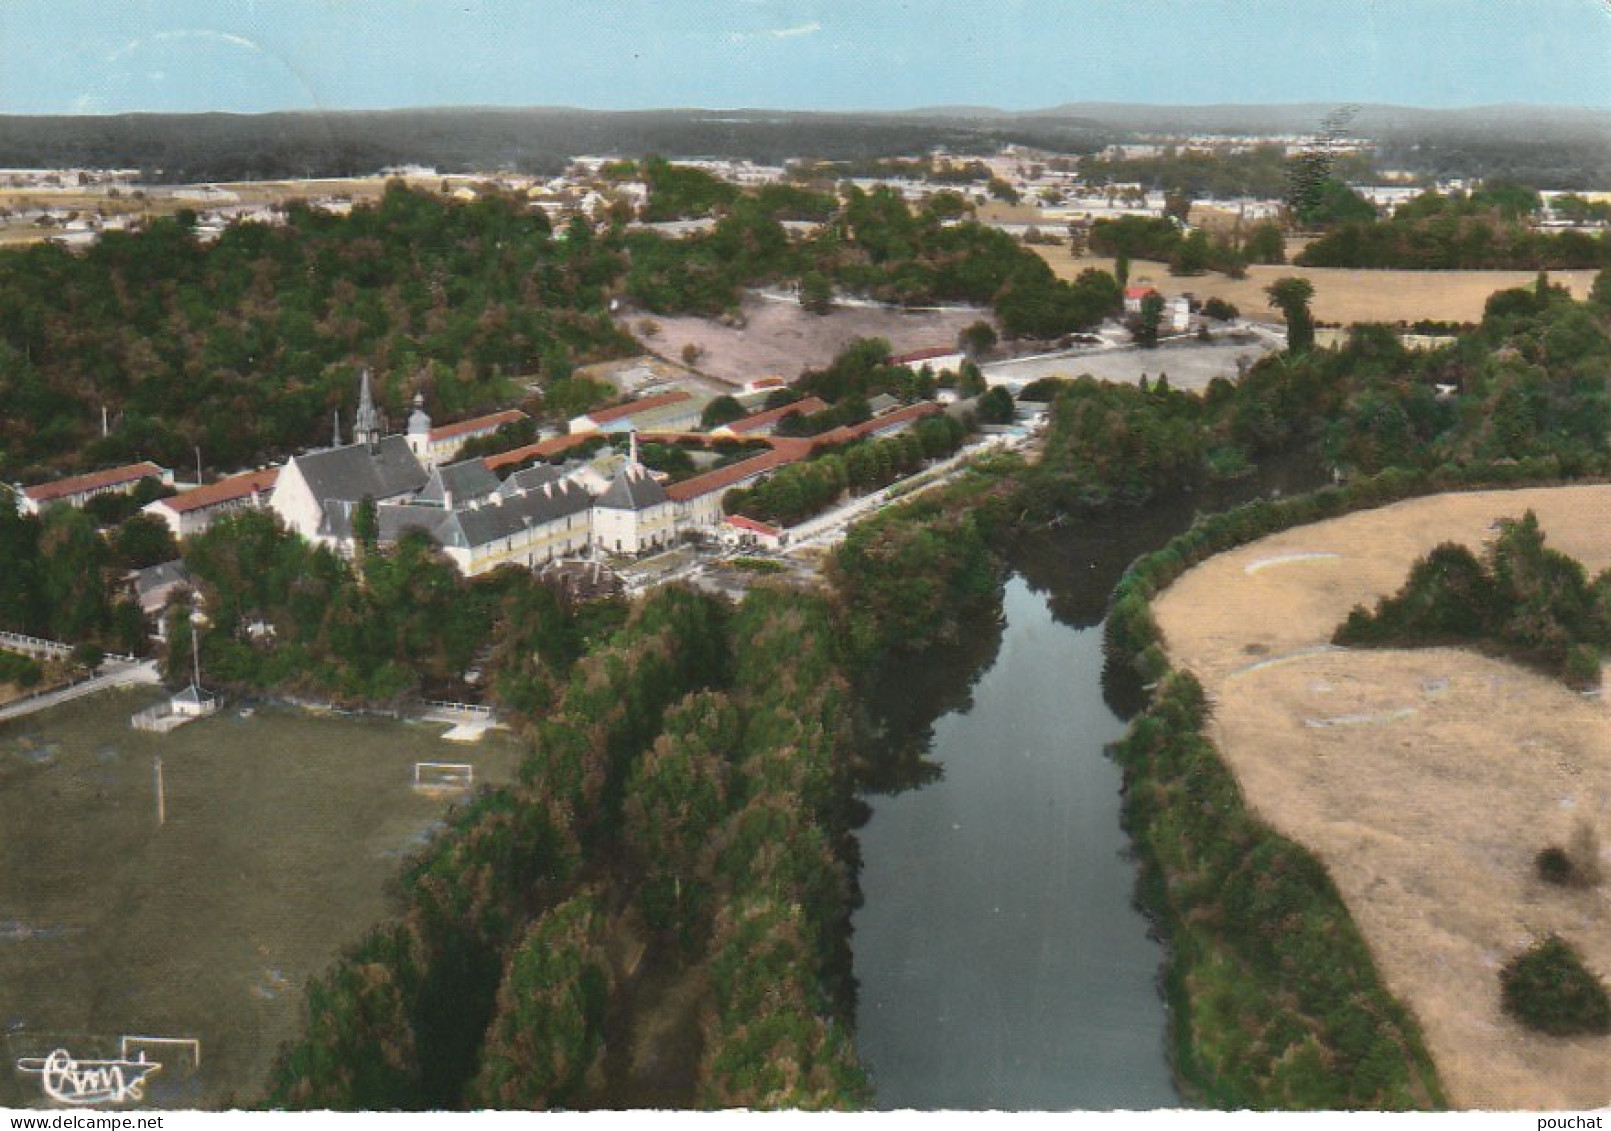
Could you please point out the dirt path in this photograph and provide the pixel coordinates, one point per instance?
(1426, 780)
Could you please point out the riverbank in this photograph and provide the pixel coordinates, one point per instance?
(1425, 781)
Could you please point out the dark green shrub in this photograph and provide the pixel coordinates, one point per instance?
(20, 670)
(1548, 988)
(1554, 866)
(1583, 667)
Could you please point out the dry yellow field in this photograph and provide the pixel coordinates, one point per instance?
(1426, 780)
(1341, 295)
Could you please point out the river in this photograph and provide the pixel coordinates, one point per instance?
(1002, 964)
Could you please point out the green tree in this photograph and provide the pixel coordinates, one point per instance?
(366, 525)
(1548, 988)
(1145, 326)
(722, 410)
(996, 406)
(1191, 255)
(1291, 297)
(549, 1024)
(816, 292)
(144, 540)
(1265, 243)
(977, 339)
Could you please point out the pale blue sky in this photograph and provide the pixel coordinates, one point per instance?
(107, 56)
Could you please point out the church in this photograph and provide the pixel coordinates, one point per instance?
(534, 517)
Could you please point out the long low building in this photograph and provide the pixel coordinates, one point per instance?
(667, 412)
(191, 512)
(76, 490)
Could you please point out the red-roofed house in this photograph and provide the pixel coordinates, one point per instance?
(748, 532)
(77, 490)
(937, 358)
(765, 384)
(763, 423)
(667, 412)
(191, 512)
(1135, 296)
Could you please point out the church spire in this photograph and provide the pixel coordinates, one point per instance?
(366, 425)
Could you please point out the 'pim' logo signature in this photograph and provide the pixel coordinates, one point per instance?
(81, 1082)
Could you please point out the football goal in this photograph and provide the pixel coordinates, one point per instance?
(443, 777)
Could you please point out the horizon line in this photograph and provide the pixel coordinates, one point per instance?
(960, 110)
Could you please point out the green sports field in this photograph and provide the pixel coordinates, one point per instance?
(282, 833)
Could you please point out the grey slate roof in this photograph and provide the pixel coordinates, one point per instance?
(392, 519)
(530, 478)
(467, 482)
(153, 578)
(478, 526)
(350, 473)
(633, 490)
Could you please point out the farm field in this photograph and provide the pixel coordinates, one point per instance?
(282, 833)
(1426, 780)
(1341, 295)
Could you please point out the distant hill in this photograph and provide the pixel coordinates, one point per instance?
(1551, 147)
(210, 147)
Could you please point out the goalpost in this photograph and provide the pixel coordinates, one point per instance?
(439, 777)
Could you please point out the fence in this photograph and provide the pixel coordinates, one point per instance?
(34, 646)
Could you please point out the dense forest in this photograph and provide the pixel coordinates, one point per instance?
(245, 347)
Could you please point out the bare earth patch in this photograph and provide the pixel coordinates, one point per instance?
(1426, 780)
(780, 338)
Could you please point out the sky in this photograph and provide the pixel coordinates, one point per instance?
(254, 56)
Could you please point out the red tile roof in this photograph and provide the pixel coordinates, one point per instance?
(791, 449)
(489, 423)
(923, 355)
(223, 491)
(888, 420)
(94, 481)
(551, 446)
(633, 408)
(725, 477)
(772, 415)
(752, 526)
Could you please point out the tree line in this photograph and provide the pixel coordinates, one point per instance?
(1483, 230)
(689, 791)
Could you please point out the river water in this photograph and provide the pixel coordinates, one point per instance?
(1001, 962)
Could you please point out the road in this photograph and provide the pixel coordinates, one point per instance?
(114, 673)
